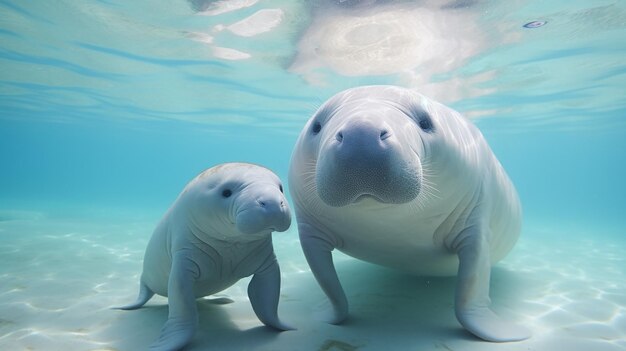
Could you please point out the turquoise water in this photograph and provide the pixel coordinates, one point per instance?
(108, 108)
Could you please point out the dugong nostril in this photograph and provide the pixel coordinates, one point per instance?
(339, 136)
(384, 134)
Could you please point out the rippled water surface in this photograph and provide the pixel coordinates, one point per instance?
(108, 108)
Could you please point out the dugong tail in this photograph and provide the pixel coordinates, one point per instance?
(144, 295)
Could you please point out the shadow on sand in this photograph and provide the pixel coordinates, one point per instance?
(386, 307)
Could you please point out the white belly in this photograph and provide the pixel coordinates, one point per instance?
(395, 237)
(411, 239)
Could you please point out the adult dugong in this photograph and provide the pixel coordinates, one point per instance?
(217, 231)
(388, 176)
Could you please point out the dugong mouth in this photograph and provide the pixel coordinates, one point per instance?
(389, 181)
(345, 188)
(364, 197)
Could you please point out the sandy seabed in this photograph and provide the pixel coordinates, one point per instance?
(60, 276)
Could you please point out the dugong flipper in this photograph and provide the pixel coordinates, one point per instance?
(217, 232)
(145, 294)
(388, 176)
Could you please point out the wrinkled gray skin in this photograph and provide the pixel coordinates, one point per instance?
(388, 176)
(217, 232)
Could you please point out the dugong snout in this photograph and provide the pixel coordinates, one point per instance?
(363, 133)
(362, 143)
(364, 158)
(269, 211)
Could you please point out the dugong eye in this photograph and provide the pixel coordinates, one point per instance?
(227, 193)
(317, 126)
(280, 187)
(426, 124)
